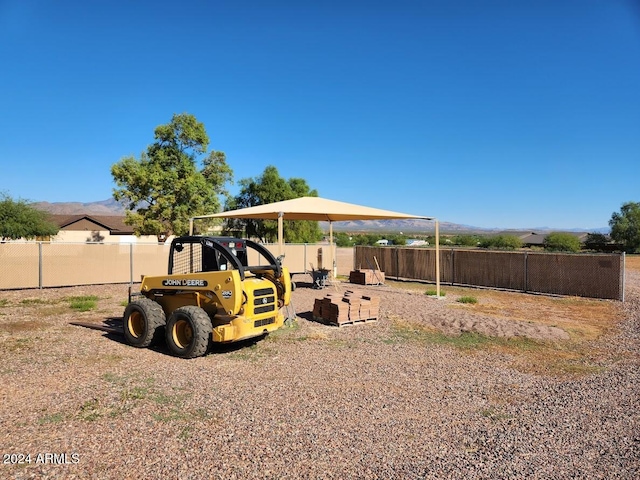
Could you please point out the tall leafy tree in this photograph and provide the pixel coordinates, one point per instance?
(168, 184)
(596, 241)
(268, 188)
(625, 226)
(19, 220)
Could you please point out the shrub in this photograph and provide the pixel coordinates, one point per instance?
(466, 240)
(343, 240)
(397, 239)
(504, 242)
(561, 242)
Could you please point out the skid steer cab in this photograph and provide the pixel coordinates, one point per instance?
(218, 289)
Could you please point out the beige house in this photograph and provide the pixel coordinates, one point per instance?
(96, 229)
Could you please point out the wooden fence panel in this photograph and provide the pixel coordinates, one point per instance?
(489, 269)
(586, 275)
(597, 276)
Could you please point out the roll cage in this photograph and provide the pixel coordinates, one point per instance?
(194, 253)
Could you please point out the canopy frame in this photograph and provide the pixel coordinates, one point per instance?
(320, 209)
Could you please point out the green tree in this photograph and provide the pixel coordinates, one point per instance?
(268, 188)
(167, 186)
(562, 242)
(466, 240)
(596, 241)
(19, 220)
(343, 239)
(625, 226)
(397, 239)
(502, 242)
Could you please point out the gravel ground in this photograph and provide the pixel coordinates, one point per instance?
(313, 401)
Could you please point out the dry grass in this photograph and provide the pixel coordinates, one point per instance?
(586, 320)
(583, 318)
(13, 328)
(632, 262)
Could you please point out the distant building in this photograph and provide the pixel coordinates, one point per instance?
(534, 239)
(416, 243)
(96, 229)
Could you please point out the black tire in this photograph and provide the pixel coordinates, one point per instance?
(188, 332)
(144, 320)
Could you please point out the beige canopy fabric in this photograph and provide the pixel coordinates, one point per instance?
(320, 209)
(314, 208)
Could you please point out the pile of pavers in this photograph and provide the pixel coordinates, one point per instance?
(366, 277)
(349, 308)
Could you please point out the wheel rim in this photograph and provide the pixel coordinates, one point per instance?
(135, 324)
(182, 333)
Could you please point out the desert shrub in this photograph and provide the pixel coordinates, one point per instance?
(466, 240)
(503, 242)
(562, 242)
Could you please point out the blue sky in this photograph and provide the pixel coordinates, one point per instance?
(497, 113)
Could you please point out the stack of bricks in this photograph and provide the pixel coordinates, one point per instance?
(366, 277)
(352, 307)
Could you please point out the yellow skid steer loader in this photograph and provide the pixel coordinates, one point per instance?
(210, 294)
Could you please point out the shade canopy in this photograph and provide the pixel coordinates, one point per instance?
(314, 208)
(320, 209)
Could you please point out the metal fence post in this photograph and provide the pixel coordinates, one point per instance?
(131, 263)
(624, 275)
(526, 272)
(453, 267)
(39, 264)
(397, 263)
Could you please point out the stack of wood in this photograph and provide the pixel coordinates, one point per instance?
(348, 309)
(366, 277)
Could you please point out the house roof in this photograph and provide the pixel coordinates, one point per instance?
(114, 223)
(538, 238)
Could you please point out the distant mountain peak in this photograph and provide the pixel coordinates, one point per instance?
(103, 207)
(111, 207)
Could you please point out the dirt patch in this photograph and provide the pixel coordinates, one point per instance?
(462, 390)
(632, 263)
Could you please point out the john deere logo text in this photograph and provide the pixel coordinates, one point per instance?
(173, 282)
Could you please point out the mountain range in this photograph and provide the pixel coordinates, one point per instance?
(112, 207)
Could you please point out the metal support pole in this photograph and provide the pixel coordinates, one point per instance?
(397, 263)
(131, 264)
(453, 267)
(437, 259)
(39, 264)
(624, 274)
(280, 233)
(526, 271)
